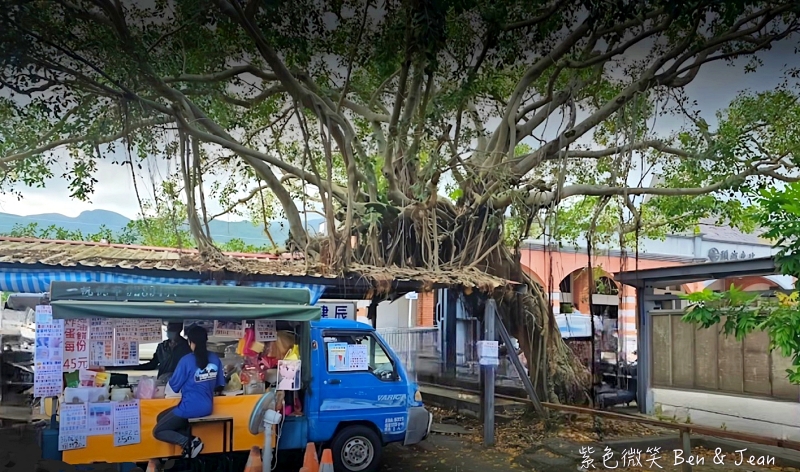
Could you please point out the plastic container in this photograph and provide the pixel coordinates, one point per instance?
(102, 379)
(121, 394)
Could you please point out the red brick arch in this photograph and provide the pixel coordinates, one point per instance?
(536, 278)
(744, 283)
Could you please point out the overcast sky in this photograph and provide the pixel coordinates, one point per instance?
(714, 87)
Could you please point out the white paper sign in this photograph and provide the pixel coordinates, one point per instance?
(229, 329)
(68, 442)
(101, 342)
(72, 418)
(337, 357)
(48, 359)
(101, 329)
(126, 330)
(357, 357)
(127, 426)
(76, 344)
(44, 314)
(343, 357)
(488, 353)
(266, 330)
(150, 331)
(100, 420)
(72, 426)
(126, 353)
(102, 353)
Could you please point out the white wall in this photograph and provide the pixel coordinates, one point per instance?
(393, 315)
(763, 417)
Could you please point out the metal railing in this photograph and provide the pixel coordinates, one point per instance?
(412, 345)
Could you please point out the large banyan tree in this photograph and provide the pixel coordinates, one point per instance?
(431, 134)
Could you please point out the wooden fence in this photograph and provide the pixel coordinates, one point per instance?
(705, 359)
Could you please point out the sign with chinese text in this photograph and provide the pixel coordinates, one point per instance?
(72, 426)
(127, 428)
(338, 310)
(76, 344)
(266, 330)
(48, 359)
(150, 331)
(715, 255)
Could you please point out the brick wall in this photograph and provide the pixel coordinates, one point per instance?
(425, 309)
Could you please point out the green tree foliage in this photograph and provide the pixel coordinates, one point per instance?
(367, 114)
(745, 312)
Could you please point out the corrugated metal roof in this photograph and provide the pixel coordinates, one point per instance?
(117, 256)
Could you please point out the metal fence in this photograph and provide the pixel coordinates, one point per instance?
(419, 349)
(413, 346)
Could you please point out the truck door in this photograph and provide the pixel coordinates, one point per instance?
(359, 382)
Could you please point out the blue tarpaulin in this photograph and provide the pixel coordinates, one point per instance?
(38, 281)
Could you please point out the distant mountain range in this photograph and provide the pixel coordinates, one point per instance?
(89, 222)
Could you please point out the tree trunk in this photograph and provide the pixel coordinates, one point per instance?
(442, 236)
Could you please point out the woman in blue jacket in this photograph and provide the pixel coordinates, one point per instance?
(197, 376)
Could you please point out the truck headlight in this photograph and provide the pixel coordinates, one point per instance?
(417, 396)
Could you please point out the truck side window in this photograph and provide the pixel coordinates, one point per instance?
(343, 355)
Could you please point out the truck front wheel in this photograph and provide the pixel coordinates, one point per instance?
(356, 449)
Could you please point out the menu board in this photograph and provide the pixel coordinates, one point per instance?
(357, 357)
(101, 329)
(127, 329)
(343, 357)
(126, 353)
(48, 358)
(337, 357)
(76, 344)
(266, 330)
(101, 341)
(72, 426)
(100, 420)
(229, 329)
(150, 331)
(126, 342)
(127, 429)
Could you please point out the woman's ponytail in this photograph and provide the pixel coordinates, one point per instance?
(199, 337)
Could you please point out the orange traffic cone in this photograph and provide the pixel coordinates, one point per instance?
(310, 461)
(326, 465)
(152, 466)
(254, 461)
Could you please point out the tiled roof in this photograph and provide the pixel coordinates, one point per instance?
(710, 230)
(91, 254)
(118, 256)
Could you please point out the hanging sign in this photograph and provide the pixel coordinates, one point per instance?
(48, 356)
(76, 344)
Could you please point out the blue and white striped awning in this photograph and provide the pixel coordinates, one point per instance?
(38, 281)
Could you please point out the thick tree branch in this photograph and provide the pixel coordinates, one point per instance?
(131, 127)
(599, 191)
(598, 154)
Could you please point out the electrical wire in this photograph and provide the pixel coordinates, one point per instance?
(278, 440)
